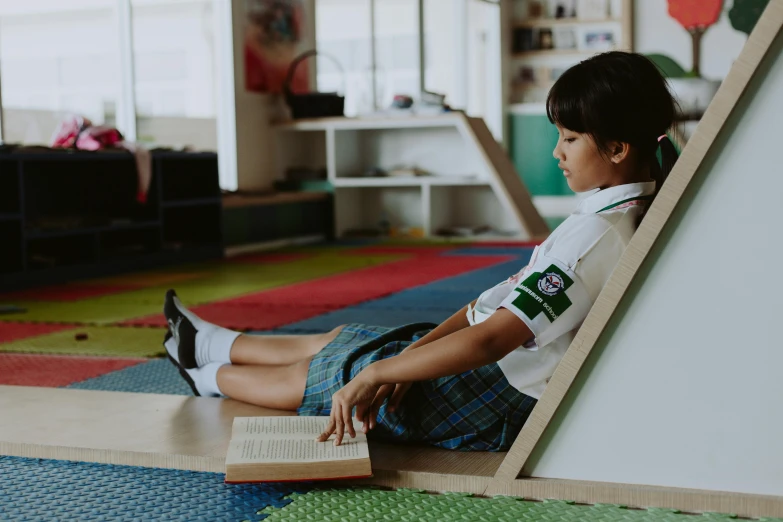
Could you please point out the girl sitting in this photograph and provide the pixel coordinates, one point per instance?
(471, 382)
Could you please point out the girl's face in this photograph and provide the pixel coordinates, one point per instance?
(584, 167)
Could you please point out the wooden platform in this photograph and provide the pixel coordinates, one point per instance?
(190, 433)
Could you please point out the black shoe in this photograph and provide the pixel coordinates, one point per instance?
(183, 331)
(182, 371)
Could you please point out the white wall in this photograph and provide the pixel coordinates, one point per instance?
(656, 32)
(684, 389)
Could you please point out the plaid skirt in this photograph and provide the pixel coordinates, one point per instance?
(474, 411)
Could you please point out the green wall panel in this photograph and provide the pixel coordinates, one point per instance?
(533, 138)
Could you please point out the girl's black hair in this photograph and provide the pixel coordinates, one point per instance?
(618, 96)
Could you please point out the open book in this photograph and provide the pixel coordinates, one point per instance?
(274, 449)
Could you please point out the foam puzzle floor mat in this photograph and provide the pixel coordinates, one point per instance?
(99, 349)
(409, 505)
(152, 376)
(280, 306)
(110, 341)
(36, 489)
(23, 369)
(33, 489)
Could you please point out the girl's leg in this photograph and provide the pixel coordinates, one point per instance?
(194, 343)
(278, 350)
(278, 387)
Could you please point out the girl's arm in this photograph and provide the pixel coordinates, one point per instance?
(396, 391)
(466, 349)
(456, 322)
(458, 352)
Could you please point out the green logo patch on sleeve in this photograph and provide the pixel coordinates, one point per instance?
(544, 293)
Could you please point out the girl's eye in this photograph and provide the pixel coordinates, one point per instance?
(569, 140)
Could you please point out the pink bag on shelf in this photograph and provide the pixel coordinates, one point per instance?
(78, 132)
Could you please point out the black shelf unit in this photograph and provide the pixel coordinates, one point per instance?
(67, 215)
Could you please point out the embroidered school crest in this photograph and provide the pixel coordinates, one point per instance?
(551, 283)
(544, 293)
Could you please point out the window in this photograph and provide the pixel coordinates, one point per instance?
(56, 58)
(343, 34)
(462, 56)
(174, 73)
(396, 49)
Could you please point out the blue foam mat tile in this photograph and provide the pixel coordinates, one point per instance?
(480, 280)
(366, 315)
(155, 376)
(36, 489)
(422, 298)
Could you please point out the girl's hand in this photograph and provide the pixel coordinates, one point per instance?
(360, 393)
(399, 392)
(395, 391)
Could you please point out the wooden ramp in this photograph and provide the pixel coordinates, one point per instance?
(191, 433)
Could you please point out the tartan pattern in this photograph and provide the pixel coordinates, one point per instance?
(474, 411)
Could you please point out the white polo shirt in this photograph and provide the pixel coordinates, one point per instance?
(554, 293)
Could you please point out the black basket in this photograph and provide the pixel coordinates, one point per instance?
(312, 104)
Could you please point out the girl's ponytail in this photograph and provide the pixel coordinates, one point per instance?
(669, 157)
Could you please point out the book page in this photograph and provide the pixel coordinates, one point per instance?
(266, 428)
(246, 451)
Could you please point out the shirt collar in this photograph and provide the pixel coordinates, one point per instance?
(601, 199)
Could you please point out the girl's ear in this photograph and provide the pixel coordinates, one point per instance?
(618, 151)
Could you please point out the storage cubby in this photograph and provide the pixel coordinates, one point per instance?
(188, 176)
(301, 156)
(11, 258)
(129, 242)
(61, 251)
(468, 208)
(66, 215)
(370, 211)
(9, 189)
(191, 226)
(71, 192)
(439, 150)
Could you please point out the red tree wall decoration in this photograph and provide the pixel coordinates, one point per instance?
(695, 16)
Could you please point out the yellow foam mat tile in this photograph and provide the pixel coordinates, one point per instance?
(108, 341)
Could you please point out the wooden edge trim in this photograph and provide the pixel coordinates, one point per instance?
(639, 496)
(518, 199)
(427, 481)
(712, 123)
(115, 457)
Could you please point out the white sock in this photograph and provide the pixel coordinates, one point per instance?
(213, 343)
(205, 380)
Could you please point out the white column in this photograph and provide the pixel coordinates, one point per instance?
(226, 98)
(126, 106)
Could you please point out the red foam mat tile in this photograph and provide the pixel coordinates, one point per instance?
(392, 250)
(280, 306)
(66, 292)
(262, 258)
(23, 369)
(354, 287)
(500, 244)
(15, 331)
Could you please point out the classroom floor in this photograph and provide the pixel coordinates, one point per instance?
(106, 334)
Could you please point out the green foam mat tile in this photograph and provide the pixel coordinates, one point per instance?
(223, 281)
(106, 341)
(409, 505)
(97, 311)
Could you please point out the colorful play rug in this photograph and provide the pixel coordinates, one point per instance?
(106, 334)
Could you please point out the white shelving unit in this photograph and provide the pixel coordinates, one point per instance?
(472, 183)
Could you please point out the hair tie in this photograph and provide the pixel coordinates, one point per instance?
(662, 136)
